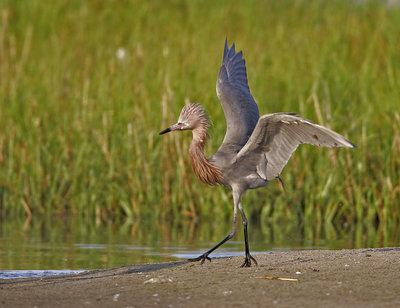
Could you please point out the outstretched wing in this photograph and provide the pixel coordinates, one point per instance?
(241, 111)
(277, 136)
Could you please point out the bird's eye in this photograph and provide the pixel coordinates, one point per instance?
(183, 125)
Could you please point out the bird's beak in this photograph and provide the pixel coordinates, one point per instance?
(165, 131)
(170, 129)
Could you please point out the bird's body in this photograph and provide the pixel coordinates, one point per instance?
(255, 149)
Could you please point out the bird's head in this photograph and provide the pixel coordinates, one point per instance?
(192, 116)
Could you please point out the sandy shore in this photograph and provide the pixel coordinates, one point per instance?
(319, 278)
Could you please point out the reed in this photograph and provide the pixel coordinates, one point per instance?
(86, 87)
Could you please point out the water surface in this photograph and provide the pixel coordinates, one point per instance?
(70, 244)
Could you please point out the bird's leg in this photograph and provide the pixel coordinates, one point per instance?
(205, 256)
(248, 258)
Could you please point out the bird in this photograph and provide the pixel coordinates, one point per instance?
(254, 150)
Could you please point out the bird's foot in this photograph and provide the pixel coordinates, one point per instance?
(201, 258)
(247, 261)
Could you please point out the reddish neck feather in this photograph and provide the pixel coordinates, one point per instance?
(202, 167)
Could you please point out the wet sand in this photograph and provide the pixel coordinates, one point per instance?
(320, 278)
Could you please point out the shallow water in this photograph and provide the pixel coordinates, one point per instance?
(35, 273)
(54, 246)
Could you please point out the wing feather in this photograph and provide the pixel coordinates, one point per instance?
(277, 136)
(240, 109)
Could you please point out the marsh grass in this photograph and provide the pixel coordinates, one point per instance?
(86, 86)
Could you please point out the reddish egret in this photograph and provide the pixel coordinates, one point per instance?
(255, 149)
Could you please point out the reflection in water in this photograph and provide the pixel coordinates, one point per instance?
(75, 244)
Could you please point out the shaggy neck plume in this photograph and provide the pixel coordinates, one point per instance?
(204, 169)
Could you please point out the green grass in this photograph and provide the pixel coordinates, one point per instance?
(79, 126)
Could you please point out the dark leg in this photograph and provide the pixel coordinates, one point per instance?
(205, 256)
(248, 258)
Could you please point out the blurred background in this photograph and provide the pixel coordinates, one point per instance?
(86, 86)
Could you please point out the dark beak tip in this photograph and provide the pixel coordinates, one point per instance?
(165, 131)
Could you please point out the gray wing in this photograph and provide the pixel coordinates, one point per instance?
(277, 136)
(241, 111)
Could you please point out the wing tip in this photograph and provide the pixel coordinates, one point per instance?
(346, 143)
(226, 49)
(351, 144)
(228, 52)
